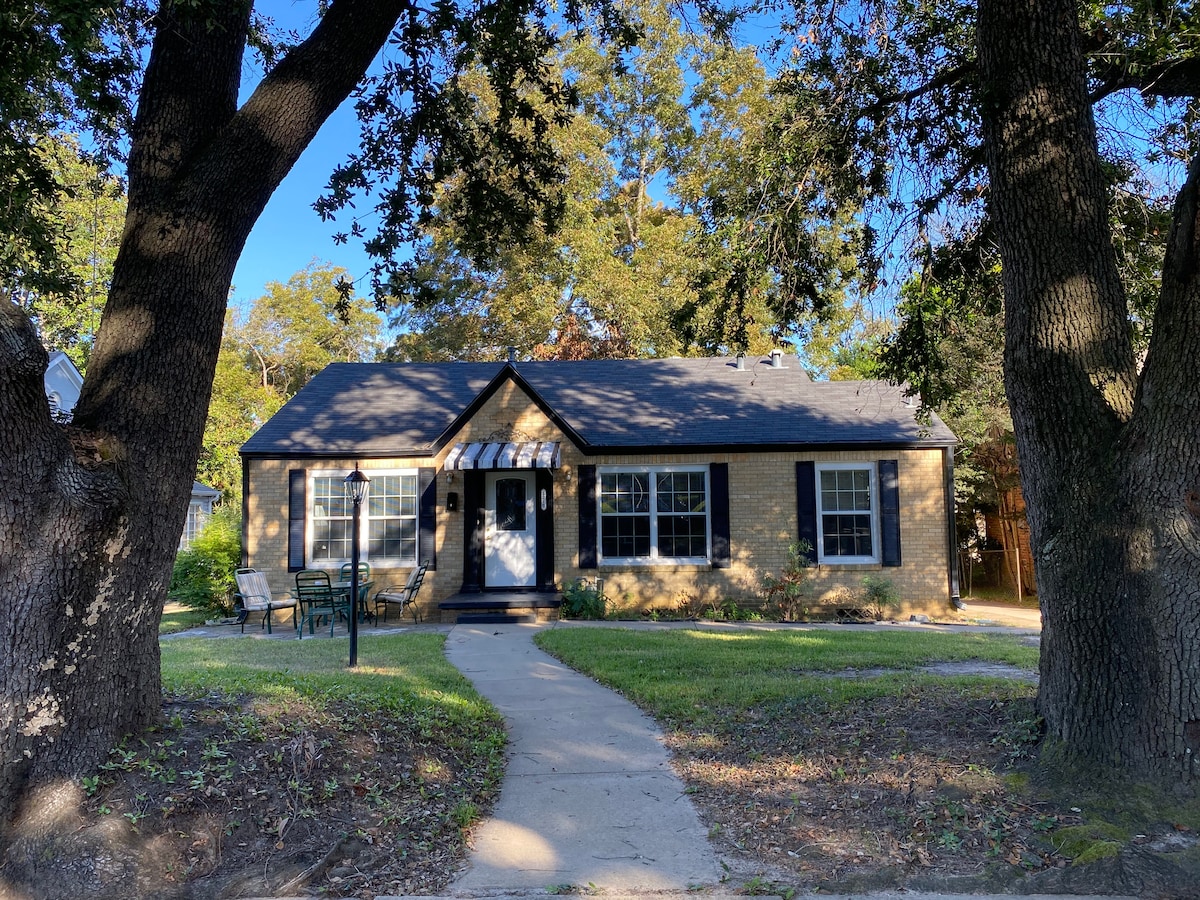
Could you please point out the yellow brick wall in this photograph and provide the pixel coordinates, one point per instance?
(762, 500)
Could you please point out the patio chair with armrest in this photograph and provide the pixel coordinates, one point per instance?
(402, 596)
(318, 600)
(254, 596)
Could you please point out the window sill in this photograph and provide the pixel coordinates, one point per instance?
(691, 565)
(850, 566)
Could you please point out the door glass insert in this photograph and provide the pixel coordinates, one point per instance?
(510, 504)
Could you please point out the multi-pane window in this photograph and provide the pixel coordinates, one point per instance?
(392, 517)
(388, 519)
(846, 508)
(654, 514)
(331, 520)
(196, 517)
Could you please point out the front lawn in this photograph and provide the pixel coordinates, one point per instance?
(278, 771)
(829, 756)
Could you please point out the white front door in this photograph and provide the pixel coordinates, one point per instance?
(510, 535)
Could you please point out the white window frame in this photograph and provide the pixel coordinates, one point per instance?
(654, 559)
(872, 471)
(197, 517)
(364, 520)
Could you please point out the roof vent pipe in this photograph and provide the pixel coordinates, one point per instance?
(776, 359)
(512, 354)
(741, 362)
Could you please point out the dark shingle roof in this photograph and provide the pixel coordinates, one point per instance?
(405, 409)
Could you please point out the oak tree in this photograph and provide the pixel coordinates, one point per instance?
(1018, 113)
(91, 513)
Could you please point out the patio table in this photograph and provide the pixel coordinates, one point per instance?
(342, 589)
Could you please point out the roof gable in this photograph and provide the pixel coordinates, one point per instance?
(413, 409)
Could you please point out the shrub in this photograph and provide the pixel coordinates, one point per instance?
(688, 605)
(203, 574)
(879, 596)
(788, 594)
(583, 601)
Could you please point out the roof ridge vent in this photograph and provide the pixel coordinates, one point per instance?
(776, 358)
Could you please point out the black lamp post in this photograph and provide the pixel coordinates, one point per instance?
(356, 489)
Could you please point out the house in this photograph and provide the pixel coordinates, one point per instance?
(200, 507)
(63, 384)
(664, 477)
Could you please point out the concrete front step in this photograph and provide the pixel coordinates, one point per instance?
(532, 601)
(500, 606)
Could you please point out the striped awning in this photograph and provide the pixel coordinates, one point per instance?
(500, 455)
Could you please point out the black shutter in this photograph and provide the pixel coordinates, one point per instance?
(245, 560)
(587, 517)
(297, 512)
(806, 506)
(544, 517)
(718, 493)
(427, 517)
(889, 511)
(474, 516)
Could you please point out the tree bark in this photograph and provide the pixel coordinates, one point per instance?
(1108, 460)
(94, 511)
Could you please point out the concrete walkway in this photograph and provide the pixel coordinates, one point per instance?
(589, 797)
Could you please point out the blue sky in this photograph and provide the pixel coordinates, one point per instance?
(289, 235)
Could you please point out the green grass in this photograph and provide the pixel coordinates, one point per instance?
(181, 620)
(699, 676)
(404, 674)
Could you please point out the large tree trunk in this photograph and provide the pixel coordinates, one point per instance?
(1110, 465)
(94, 511)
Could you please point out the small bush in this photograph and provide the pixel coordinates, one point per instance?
(203, 574)
(583, 601)
(879, 597)
(788, 594)
(688, 605)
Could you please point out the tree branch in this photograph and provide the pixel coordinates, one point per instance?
(1167, 385)
(284, 113)
(1174, 79)
(939, 81)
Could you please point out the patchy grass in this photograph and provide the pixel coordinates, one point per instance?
(702, 678)
(858, 781)
(280, 771)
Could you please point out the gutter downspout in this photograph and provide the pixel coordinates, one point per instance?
(952, 529)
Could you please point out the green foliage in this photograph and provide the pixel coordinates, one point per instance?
(582, 600)
(288, 335)
(203, 574)
(620, 276)
(788, 593)
(879, 596)
(69, 66)
(88, 212)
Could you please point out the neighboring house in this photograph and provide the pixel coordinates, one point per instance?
(200, 507)
(63, 384)
(663, 477)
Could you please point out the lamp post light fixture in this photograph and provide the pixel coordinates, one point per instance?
(356, 489)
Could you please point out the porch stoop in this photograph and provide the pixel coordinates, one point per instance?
(500, 608)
